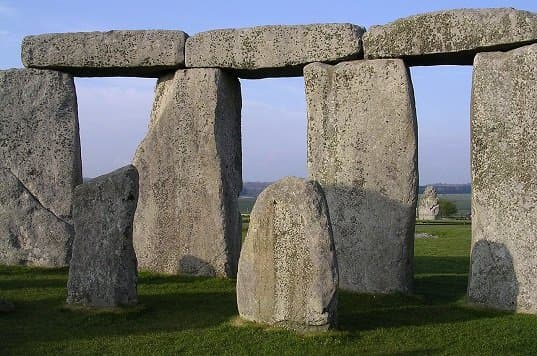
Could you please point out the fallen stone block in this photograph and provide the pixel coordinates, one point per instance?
(451, 36)
(362, 149)
(103, 270)
(274, 51)
(287, 270)
(142, 53)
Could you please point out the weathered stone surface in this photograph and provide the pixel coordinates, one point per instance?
(274, 51)
(428, 206)
(103, 271)
(287, 269)
(190, 168)
(30, 233)
(504, 180)
(452, 36)
(144, 53)
(40, 156)
(362, 149)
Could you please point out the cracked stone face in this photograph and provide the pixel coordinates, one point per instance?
(40, 155)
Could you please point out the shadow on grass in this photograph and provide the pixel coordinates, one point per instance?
(441, 264)
(393, 311)
(47, 320)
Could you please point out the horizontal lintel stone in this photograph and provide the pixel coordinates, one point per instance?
(274, 51)
(140, 53)
(452, 36)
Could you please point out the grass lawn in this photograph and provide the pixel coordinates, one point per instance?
(199, 316)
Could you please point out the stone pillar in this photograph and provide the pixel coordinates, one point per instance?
(40, 166)
(103, 267)
(288, 271)
(362, 149)
(503, 271)
(190, 168)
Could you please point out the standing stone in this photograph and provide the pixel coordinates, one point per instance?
(41, 165)
(188, 218)
(143, 53)
(428, 205)
(451, 36)
(29, 232)
(503, 270)
(274, 51)
(103, 269)
(362, 149)
(287, 271)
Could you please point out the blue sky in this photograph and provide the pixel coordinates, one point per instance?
(114, 112)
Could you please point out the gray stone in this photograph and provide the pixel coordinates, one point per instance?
(190, 168)
(452, 36)
(503, 270)
(274, 51)
(428, 205)
(362, 149)
(29, 233)
(6, 306)
(40, 155)
(287, 270)
(103, 271)
(145, 53)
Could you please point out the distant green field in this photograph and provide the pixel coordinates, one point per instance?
(246, 204)
(462, 201)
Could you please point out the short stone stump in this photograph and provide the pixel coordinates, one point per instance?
(103, 271)
(287, 270)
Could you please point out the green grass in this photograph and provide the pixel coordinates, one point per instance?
(199, 316)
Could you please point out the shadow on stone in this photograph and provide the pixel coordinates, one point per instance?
(195, 266)
(374, 238)
(493, 282)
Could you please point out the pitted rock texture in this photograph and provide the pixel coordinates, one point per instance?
(287, 269)
(274, 51)
(362, 149)
(142, 53)
(29, 233)
(40, 156)
(452, 36)
(103, 271)
(428, 206)
(190, 167)
(503, 270)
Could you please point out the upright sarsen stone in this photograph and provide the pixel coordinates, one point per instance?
(103, 269)
(40, 157)
(362, 149)
(503, 270)
(287, 270)
(190, 166)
